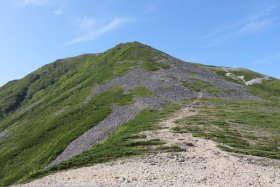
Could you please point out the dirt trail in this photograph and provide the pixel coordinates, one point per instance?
(202, 164)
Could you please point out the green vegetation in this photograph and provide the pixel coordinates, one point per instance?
(198, 85)
(63, 75)
(147, 65)
(221, 71)
(46, 110)
(248, 75)
(17, 93)
(122, 143)
(141, 91)
(35, 145)
(268, 89)
(249, 127)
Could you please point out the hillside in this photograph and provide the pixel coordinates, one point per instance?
(94, 108)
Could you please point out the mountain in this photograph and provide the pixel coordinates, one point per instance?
(92, 108)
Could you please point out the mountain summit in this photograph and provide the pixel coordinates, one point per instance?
(92, 108)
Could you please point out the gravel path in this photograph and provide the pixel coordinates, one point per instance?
(256, 81)
(201, 164)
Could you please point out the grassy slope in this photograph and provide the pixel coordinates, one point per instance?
(17, 93)
(241, 126)
(38, 134)
(141, 91)
(249, 127)
(200, 85)
(120, 144)
(221, 71)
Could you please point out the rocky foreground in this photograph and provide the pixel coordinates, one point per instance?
(201, 164)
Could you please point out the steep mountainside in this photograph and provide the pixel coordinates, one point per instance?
(56, 117)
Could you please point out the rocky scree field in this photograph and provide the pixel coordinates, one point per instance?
(92, 108)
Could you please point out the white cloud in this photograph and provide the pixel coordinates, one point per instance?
(87, 23)
(58, 7)
(93, 35)
(35, 2)
(255, 26)
(247, 26)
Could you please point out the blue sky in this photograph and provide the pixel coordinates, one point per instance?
(237, 33)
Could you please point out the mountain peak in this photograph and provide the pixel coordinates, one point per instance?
(133, 43)
(60, 113)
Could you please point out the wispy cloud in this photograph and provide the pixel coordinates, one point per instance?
(87, 23)
(249, 25)
(57, 7)
(35, 2)
(274, 58)
(95, 34)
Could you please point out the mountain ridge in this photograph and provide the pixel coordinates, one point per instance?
(74, 107)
